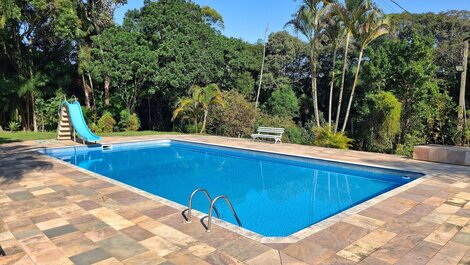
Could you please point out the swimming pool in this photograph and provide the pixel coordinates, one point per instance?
(274, 195)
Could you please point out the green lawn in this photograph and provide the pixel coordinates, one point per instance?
(8, 137)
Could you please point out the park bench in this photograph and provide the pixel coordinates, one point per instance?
(268, 133)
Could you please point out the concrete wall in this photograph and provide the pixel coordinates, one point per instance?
(443, 154)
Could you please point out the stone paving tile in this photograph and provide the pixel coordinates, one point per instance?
(121, 247)
(136, 233)
(146, 258)
(90, 257)
(243, 249)
(308, 252)
(58, 231)
(56, 212)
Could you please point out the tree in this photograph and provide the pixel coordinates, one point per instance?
(127, 61)
(235, 119)
(200, 102)
(333, 31)
(370, 28)
(283, 102)
(307, 20)
(349, 15)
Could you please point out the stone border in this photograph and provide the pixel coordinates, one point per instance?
(293, 238)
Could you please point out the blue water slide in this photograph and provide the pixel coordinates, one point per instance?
(78, 122)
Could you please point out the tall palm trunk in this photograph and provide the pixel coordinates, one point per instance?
(203, 129)
(353, 90)
(85, 90)
(313, 63)
(33, 111)
(332, 84)
(107, 84)
(341, 89)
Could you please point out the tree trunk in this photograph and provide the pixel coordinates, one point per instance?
(203, 129)
(343, 75)
(262, 69)
(332, 84)
(107, 84)
(463, 79)
(195, 123)
(33, 111)
(91, 92)
(313, 65)
(85, 91)
(28, 116)
(353, 90)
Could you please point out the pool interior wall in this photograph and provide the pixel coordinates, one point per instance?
(274, 195)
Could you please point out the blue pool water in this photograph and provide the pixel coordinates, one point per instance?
(274, 195)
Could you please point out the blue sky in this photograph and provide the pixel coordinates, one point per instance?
(247, 19)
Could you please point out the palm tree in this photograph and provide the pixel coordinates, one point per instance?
(200, 101)
(349, 15)
(370, 28)
(334, 32)
(307, 20)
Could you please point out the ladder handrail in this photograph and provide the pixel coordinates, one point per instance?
(213, 207)
(190, 204)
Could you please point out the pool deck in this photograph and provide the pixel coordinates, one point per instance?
(54, 213)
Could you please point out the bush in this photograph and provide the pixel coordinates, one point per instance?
(128, 121)
(106, 123)
(14, 126)
(326, 137)
(283, 102)
(235, 119)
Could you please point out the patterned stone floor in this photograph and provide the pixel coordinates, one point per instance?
(51, 213)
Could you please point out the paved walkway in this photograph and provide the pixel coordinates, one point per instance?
(51, 213)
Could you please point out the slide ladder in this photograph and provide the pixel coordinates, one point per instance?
(72, 122)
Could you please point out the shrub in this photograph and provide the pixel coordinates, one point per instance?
(235, 119)
(283, 102)
(106, 123)
(128, 121)
(14, 126)
(326, 137)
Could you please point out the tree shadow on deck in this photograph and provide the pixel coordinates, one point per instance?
(18, 160)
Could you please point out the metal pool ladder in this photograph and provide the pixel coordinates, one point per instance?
(212, 207)
(209, 221)
(190, 204)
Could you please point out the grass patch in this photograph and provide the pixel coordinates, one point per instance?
(9, 137)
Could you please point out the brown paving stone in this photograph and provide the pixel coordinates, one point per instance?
(336, 260)
(443, 234)
(269, 257)
(136, 233)
(221, 258)
(45, 217)
(390, 252)
(181, 257)
(127, 197)
(146, 258)
(161, 211)
(159, 245)
(462, 238)
(88, 204)
(243, 249)
(101, 233)
(121, 247)
(308, 252)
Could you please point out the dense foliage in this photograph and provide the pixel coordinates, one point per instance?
(362, 79)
